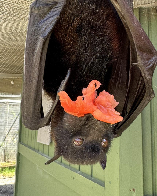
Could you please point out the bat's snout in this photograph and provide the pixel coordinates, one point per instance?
(93, 148)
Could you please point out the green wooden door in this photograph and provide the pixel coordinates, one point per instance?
(131, 166)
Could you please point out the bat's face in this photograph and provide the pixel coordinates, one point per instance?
(82, 140)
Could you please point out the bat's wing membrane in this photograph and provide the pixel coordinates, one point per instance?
(143, 60)
(43, 16)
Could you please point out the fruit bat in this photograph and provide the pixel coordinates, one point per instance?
(70, 43)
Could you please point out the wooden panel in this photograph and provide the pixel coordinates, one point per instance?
(148, 20)
(98, 173)
(32, 180)
(131, 161)
(77, 167)
(153, 35)
(154, 135)
(153, 26)
(146, 122)
(36, 146)
(112, 170)
(51, 149)
(33, 173)
(87, 169)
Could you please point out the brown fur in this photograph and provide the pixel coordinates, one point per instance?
(86, 39)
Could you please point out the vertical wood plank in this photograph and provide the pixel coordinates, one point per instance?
(148, 19)
(51, 149)
(30, 138)
(26, 136)
(75, 166)
(33, 139)
(36, 144)
(22, 134)
(87, 169)
(153, 35)
(136, 13)
(153, 26)
(146, 123)
(46, 149)
(65, 161)
(147, 151)
(143, 19)
(19, 130)
(112, 170)
(41, 147)
(131, 161)
(154, 140)
(98, 172)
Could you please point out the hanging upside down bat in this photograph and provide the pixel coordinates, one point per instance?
(71, 43)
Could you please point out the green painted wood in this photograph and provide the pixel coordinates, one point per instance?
(24, 134)
(153, 26)
(75, 166)
(146, 123)
(32, 180)
(33, 139)
(36, 146)
(64, 161)
(149, 114)
(46, 149)
(136, 13)
(144, 19)
(154, 139)
(147, 149)
(21, 133)
(51, 149)
(74, 181)
(112, 170)
(148, 19)
(153, 33)
(87, 169)
(131, 160)
(41, 148)
(25, 139)
(98, 173)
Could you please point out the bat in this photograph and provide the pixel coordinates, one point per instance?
(69, 44)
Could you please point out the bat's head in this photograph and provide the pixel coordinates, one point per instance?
(82, 140)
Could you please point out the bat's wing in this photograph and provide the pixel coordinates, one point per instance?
(43, 16)
(143, 59)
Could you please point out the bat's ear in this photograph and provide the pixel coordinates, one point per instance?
(103, 162)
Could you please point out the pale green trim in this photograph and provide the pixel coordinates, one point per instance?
(62, 174)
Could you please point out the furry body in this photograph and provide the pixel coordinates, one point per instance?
(89, 38)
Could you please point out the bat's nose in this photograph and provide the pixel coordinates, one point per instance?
(94, 148)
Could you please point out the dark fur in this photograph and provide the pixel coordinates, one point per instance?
(68, 127)
(89, 38)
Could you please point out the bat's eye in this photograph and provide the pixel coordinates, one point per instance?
(78, 141)
(104, 143)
